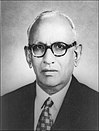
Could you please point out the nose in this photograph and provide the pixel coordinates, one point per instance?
(49, 57)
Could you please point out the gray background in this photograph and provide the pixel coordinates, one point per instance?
(16, 16)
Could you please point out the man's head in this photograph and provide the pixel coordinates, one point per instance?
(52, 50)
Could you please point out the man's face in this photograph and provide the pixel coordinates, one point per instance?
(53, 73)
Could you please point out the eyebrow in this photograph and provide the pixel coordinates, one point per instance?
(50, 43)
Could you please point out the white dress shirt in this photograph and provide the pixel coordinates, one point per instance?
(41, 96)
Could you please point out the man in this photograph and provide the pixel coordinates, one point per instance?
(56, 100)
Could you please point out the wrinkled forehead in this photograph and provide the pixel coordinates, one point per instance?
(52, 24)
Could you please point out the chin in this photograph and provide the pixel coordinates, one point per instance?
(50, 82)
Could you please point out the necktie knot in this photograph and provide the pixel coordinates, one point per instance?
(48, 103)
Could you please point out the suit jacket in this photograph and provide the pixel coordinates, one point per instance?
(78, 111)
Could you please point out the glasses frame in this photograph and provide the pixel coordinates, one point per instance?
(50, 47)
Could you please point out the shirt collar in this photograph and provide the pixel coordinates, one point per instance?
(57, 98)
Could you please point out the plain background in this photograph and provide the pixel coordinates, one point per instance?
(16, 17)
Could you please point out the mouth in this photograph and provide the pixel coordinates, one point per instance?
(48, 72)
(45, 70)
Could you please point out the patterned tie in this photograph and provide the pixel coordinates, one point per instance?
(45, 121)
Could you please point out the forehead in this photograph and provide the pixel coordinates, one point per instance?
(52, 29)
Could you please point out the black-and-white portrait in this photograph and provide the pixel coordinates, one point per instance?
(49, 65)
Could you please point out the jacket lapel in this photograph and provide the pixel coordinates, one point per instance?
(68, 115)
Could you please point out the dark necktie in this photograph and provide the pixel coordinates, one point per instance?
(45, 121)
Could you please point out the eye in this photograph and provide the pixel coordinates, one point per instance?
(38, 47)
(59, 45)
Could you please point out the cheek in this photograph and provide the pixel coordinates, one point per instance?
(67, 64)
(36, 65)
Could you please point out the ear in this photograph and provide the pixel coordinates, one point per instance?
(28, 56)
(77, 55)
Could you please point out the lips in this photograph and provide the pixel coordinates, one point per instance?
(47, 70)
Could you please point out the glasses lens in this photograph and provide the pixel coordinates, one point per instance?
(59, 48)
(38, 50)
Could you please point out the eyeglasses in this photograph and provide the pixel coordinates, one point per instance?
(58, 48)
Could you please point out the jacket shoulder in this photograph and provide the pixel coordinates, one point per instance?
(81, 94)
(17, 107)
(84, 89)
(22, 92)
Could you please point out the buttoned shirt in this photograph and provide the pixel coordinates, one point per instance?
(41, 96)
